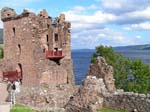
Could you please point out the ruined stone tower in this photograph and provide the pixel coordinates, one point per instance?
(38, 47)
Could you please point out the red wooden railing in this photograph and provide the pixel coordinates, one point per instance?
(51, 54)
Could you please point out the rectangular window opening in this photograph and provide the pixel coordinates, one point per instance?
(56, 37)
(48, 25)
(47, 38)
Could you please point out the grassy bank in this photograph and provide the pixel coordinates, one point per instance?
(20, 108)
(110, 110)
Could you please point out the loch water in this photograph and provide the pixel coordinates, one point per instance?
(81, 60)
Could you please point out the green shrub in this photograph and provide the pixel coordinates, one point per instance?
(1, 53)
(130, 75)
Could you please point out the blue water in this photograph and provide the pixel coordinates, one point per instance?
(81, 60)
(134, 54)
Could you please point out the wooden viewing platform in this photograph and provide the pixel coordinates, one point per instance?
(51, 54)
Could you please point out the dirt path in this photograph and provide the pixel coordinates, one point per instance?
(4, 107)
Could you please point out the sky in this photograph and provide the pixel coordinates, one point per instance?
(96, 22)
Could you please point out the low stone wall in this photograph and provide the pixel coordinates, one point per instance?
(46, 98)
(129, 101)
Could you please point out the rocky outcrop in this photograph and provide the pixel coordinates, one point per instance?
(101, 69)
(89, 96)
(97, 84)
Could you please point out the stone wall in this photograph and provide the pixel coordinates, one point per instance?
(26, 37)
(46, 97)
(128, 101)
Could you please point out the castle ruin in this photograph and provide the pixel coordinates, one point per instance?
(37, 48)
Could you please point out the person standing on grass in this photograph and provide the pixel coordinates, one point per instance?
(15, 90)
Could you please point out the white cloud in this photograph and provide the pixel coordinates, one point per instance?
(92, 38)
(89, 31)
(141, 26)
(81, 21)
(110, 4)
(145, 13)
(138, 37)
(101, 35)
(134, 17)
(123, 6)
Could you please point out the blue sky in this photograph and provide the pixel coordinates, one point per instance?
(96, 22)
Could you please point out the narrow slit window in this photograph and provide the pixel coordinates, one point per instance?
(47, 38)
(48, 25)
(56, 37)
(14, 32)
(19, 47)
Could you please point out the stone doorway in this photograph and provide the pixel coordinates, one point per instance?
(20, 71)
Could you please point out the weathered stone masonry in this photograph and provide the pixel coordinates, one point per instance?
(38, 46)
(98, 90)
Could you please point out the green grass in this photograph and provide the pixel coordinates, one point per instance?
(20, 108)
(110, 110)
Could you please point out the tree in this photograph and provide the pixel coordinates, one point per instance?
(130, 75)
(1, 53)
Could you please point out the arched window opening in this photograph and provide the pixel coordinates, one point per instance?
(20, 72)
(14, 31)
(19, 47)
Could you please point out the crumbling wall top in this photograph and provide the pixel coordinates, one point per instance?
(43, 14)
(62, 18)
(10, 14)
(7, 12)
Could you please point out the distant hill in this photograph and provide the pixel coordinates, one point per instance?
(83, 50)
(1, 36)
(133, 47)
(146, 48)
